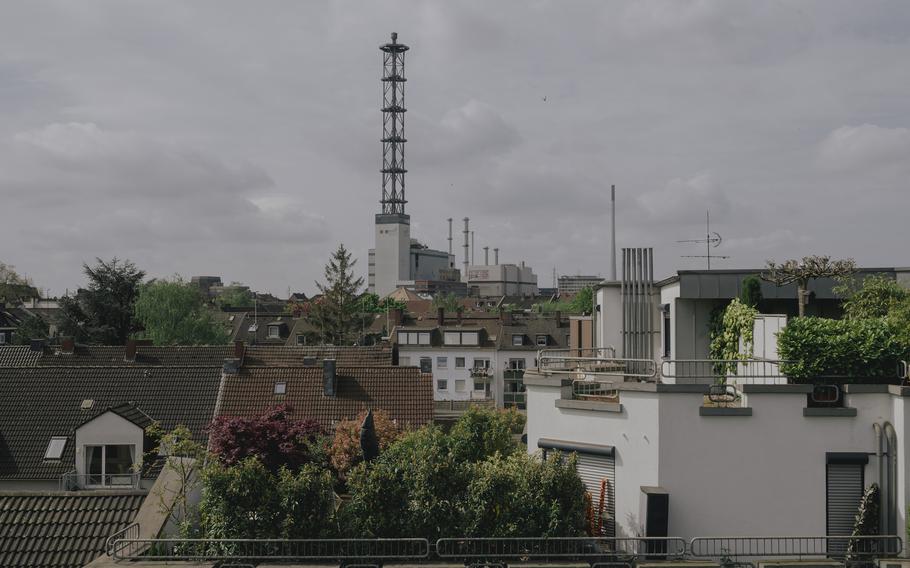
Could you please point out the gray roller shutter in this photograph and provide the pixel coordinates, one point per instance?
(845, 491)
(592, 468)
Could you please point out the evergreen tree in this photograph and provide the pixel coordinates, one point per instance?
(337, 314)
(103, 313)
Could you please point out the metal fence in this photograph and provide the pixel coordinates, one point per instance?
(340, 550)
(121, 540)
(72, 480)
(836, 547)
(594, 389)
(608, 352)
(580, 548)
(706, 371)
(641, 369)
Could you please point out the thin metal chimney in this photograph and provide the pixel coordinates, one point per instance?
(466, 231)
(472, 248)
(613, 233)
(486, 256)
(450, 236)
(496, 256)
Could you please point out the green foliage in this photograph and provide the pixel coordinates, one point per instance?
(875, 298)
(175, 313)
(818, 347)
(737, 324)
(867, 520)
(246, 500)
(31, 327)
(370, 303)
(337, 314)
(234, 296)
(801, 272)
(103, 312)
(473, 481)
(13, 287)
(751, 291)
(581, 303)
(446, 300)
(521, 495)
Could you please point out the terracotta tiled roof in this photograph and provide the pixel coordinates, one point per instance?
(293, 356)
(39, 402)
(113, 356)
(61, 530)
(403, 392)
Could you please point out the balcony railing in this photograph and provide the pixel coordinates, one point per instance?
(72, 480)
(596, 390)
(707, 371)
(581, 367)
(481, 373)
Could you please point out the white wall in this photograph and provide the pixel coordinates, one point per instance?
(608, 320)
(450, 373)
(391, 255)
(107, 429)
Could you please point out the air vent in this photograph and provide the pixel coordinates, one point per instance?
(87, 404)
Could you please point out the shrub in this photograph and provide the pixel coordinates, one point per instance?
(876, 297)
(866, 522)
(818, 347)
(482, 432)
(751, 291)
(737, 323)
(345, 451)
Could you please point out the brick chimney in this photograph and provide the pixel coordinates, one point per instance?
(129, 353)
(329, 378)
(505, 317)
(37, 345)
(239, 349)
(440, 316)
(395, 317)
(67, 346)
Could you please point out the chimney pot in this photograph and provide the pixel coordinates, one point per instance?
(329, 378)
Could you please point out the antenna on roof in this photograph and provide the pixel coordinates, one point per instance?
(711, 240)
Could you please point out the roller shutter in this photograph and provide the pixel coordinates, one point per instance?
(593, 469)
(845, 491)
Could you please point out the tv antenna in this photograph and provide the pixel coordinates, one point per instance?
(711, 240)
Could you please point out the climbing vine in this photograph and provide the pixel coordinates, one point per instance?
(737, 324)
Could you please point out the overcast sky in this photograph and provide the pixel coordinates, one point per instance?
(241, 139)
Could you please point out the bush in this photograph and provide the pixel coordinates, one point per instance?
(346, 452)
(818, 347)
(482, 432)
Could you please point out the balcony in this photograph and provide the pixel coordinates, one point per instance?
(74, 481)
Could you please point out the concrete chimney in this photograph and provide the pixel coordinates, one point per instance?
(239, 349)
(329, 379)
(486, 256)
(129, 354)
(613, 233)
(496, 256)
(466, 231)
(68, 346)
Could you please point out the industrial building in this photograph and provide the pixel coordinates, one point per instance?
(571, 285)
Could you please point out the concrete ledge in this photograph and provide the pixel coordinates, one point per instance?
(829, 412)
(898, 390)
(776, 389)
(536, 380)
(683, 388)
(866, 389)
(719, 411)
(589, 405)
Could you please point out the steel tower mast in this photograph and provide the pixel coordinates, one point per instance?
(393, 127)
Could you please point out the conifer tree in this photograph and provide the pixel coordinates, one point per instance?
(337, 313)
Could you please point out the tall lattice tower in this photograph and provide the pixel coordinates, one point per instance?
(393, 140)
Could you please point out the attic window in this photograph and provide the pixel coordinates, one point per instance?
(87, 404)
(281, 388)
(518, 339)
(541, 340)
(274, 331)
(55, 448)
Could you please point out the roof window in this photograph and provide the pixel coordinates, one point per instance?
(253, 328)
(55, 448)
(281, 388)
(87, 404)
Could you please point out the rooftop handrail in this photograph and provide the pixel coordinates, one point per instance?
(558, 547)
(608, 352)
(643, 369)
(119, 539)
(795, 546)
(717, 369)
(74, 480)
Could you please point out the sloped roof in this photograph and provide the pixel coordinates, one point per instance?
(61, 529)
(39, 402)
(18, 356)
(532, 327)
(127, 410)
(114, 356)
(293, 356)
(404, 392)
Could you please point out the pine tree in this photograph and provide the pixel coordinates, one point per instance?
(337, 313)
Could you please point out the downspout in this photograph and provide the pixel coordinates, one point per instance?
(880, 458)
(891, 441)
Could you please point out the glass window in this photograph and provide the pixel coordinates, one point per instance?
(2, 338)
(442, 385)
(516, 364)
(442, 362)
(426, 365)
(301, 339)
(481, 364)
(459, 385)
(118, 460)
(479, 386)
(518, 339)
(470, 338)
(403, 337)
(55, 448)
(452, 338)
(253, 327)
(423, 338)
(667, 334)
(541, 340)
(281, 388)
(459, 362)
(94, 468)
(274, 332)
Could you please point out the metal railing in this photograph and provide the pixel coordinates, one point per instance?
(72, 480)
(837, 547)
(601, 352)
(463, 405)
(593, 389)
(562, 548)
(705, 371)
(641, 369)
(341, 550)
(903, 370)
(121, 539)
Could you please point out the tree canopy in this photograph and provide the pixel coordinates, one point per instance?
(13, 287)
(802, 271)
(337, 313)
(104, 311)
(235, 296)
(174, 312)
(31, 327)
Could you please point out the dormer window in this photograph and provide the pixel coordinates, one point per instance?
(541, 340)
(274, 332)
(518, 339)
(55, 448)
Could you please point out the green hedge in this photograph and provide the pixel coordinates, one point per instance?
(857, 349)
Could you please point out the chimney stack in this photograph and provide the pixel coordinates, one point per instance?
(129, 353)
(506, 317)
(329, 379)
(486, 256)
(450, 236)
(239, 349)
(558, 317)
(466, 246)
(440, 316)
(395, 317)
(68, 346)
(459, 312)
(496, 256)
(472, 248)
(613, 233)
(231, 367)
(37, 345)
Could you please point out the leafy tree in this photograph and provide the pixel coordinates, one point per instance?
(174, 313)
(446, 300)
(346, 452)
(875, 298)
(582, 302)
(32, 327)
(751, 291)
(480, 433)
(273, 437)
(866, 523)
(103, 313)
(370, 303)
(337, 313)
(803, 271)
(235, 296)
(13, 287)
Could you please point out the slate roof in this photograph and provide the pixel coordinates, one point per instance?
(18, 356)
(530, 328)
(61, 530)
(127, 410)
(113, 356)
(293, 356)
(404, 392)
(39, 402)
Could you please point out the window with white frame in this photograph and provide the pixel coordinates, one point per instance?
(516, 364)
(459, 362)
(442, 385)
(109, 464)
(55, 448)
(301, 339)
(404, 361)
(518, 339)
(481, 363)
(414, 337)
(274, 332)
(541, 340)
(442, 362)
(460, 385)
(470, 338)
(423, 338)
(451, 338)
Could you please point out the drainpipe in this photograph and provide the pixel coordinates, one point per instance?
(880, 458)
(891, 440)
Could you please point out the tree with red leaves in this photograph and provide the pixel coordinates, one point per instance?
(273, 437)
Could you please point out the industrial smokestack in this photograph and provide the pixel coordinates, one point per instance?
(486, 256)
(466, 231)
(472, 248)
(450, 236)
(496, 256)
(613, 233)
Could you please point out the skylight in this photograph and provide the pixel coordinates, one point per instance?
(87, 404)
(55, 448)
(281, 388)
